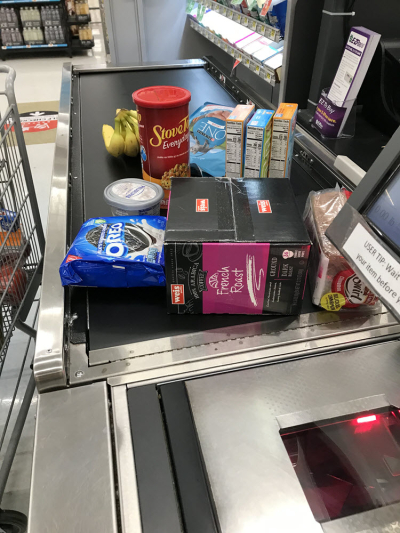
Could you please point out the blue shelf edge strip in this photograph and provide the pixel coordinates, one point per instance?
(26, 1)
(34, 46)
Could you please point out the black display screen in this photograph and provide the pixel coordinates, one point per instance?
(384, 213)
(350, 466)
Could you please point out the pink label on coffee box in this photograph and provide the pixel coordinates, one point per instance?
(236, 277)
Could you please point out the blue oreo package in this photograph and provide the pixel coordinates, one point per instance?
(117, 252)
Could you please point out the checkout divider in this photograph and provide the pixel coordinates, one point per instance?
(114, 357)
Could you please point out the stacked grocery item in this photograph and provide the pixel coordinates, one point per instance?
(334, 284)
(258, 144)
(78, 13)
(272, 12)
(42, 26)
(234, 244)
(38, 26)
(254, 46)
(235, 142)
(52, 21)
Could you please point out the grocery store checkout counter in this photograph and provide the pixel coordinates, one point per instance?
(149, 422)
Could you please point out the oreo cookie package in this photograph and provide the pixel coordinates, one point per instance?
(117, 252)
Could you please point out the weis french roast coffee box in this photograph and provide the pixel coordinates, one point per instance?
(235, 245)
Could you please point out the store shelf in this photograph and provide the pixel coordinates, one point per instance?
(28, 46)
(82, 45)
(255, 25)
(75, 20)
(264, 72)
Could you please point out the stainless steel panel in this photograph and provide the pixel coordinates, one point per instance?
(72, 479)
(159, 65)
(128, 492)
(324, 412)
(49, 365)
(258, 343)
(262, 334)
(257, 335)
(254, 485)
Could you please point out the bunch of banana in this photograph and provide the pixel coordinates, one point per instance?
(124, 137)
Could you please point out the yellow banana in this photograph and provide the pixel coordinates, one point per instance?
(132, 113)
(135, 126)
(116, 143)
(107, 132)
(131, 144)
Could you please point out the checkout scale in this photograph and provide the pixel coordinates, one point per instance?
(157, 423)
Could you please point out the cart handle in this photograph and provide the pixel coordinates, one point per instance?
(9, 85)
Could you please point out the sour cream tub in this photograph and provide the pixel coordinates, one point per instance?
(131, 196)
(163, 116)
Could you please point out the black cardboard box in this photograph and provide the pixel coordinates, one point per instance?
(235, 246)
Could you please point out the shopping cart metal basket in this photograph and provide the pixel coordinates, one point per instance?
(21, 261)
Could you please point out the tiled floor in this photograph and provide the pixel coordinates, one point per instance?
(38, 79)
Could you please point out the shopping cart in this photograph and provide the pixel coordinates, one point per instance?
(21, 261)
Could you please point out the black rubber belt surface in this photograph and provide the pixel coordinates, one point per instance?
(197, 506)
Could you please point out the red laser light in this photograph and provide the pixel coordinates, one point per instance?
(364, 419)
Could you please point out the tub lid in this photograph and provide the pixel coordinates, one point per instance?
(131, 194)
(161, 96)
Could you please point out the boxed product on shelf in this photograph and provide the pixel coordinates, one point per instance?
(8, 17)
(235, 139)
(33, 36)
(70, 5)
(51, 15)
(258, 144)
(81, 8)
(235, 246)
(30, 16)
(274, 64)
(54, 34)
(247, 40)
(253, 47)
(263, 54)
(284, 124)
(11, 37)
(85, 33)
(277, 15)
(245, 7)
(229, 30)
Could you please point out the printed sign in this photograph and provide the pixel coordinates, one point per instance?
(178, 294)
(264, 206)
(202, 205)
(38, 121)
(380, 270)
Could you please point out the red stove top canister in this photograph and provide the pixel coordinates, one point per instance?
(163, 116)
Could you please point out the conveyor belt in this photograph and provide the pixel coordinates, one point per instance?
(117, 317)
